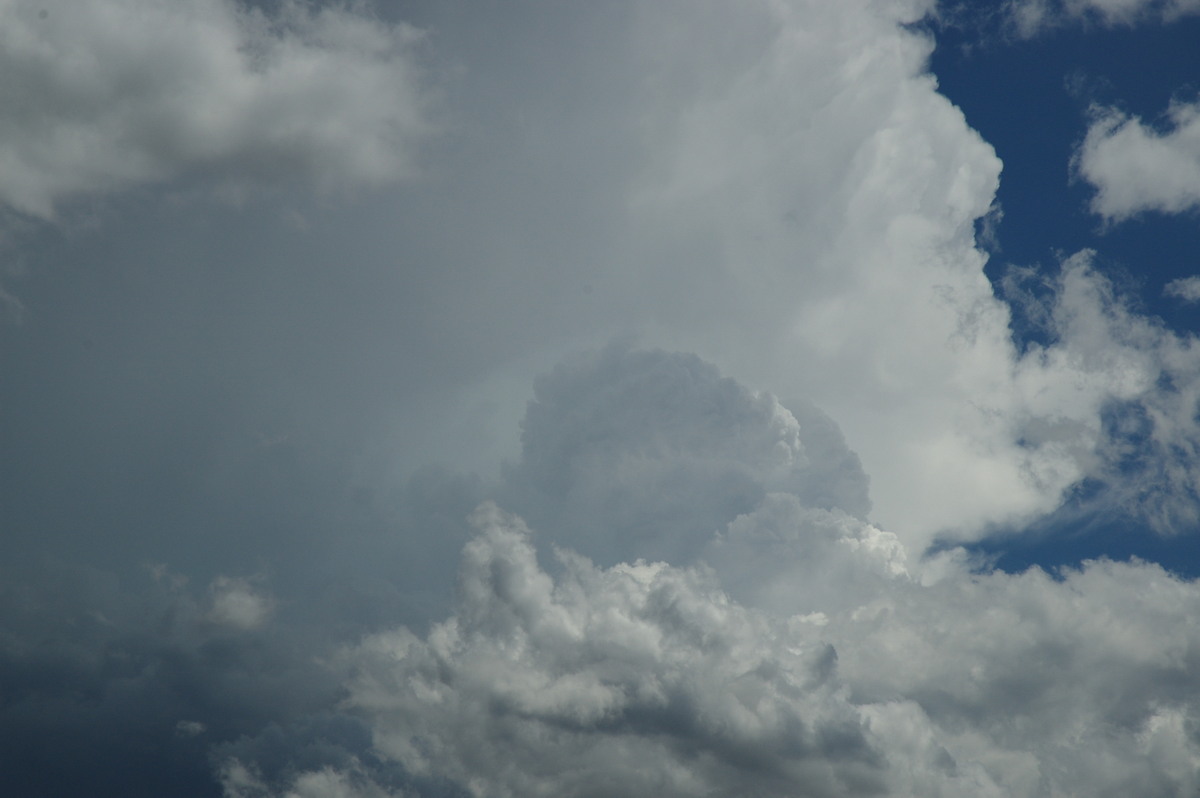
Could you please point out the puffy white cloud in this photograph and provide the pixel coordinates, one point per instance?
(828, 230)
(1136, 167)
(110, 94)
(647, 678)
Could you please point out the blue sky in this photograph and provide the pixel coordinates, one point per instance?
(680, 398)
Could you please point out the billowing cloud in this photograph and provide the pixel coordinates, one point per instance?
(720, 604)
(801, 651)
(1137, 167)
(107, 95)
(646, 678)
(649, 453)
(641, 678)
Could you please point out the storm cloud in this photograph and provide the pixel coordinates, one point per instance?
(444, 399)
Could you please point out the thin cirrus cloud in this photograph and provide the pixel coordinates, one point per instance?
(1032, 17)
(233, 93)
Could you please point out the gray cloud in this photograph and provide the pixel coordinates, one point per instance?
(99, 97)
(642, 678)
(802, 651)
(295, 405)
(646, 677)
(646, 454)
(119, 687)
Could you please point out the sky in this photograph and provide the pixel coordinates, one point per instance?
(413, 399)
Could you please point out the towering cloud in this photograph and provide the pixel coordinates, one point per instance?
(705, 565)
(801, 652)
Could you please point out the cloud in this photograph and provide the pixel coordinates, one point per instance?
(236, 603)
(131, 682)
(796, 205)
(641, 678)
(115, 94)
(1137, 168)
(1185, 289)
(238, 781)
(1032, 17)
(1138, 384)
(646, 677)
(803, 650)
(647, 453)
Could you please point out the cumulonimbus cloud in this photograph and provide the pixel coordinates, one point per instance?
(107, 95)
(801, 651)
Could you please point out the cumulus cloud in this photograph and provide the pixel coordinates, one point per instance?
(646, 677)
(796, 205)
(802, 651)
(107, 95)
(1137, 167)
(650, 452)
(638, 679)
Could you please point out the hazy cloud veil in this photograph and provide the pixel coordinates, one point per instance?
(663, 326)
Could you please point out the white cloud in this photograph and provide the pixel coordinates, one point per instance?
(105, 95)
(824, 233)
(1186, 289)
(1035, 16)
(646, 678)
(1136, 168)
